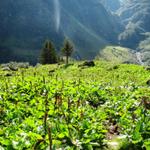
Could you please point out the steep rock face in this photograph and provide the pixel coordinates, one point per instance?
(144, 48)
(111, 5)
(135, 14)
(25, 25)
(135, 17)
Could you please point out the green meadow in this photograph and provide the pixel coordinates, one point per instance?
(73, 107)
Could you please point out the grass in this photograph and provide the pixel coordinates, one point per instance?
(117, 54)
(69, 107)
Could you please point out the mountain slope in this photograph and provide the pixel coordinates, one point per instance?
(24, 27)
(117, 54)
(26, 24)
(94, 31)
(111, 5)
(144, 48)
(135, 15)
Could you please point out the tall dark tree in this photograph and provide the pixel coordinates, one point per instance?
(48, 54)
(67, 49)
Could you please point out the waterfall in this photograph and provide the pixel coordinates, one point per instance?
(57, 14)
(138, 55)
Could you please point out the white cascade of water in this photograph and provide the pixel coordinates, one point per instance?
(138, 55)
(57, 14)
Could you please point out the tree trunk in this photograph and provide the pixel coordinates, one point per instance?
(67, 60)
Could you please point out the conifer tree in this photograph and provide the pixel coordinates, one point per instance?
(67, 49)
(48, 54)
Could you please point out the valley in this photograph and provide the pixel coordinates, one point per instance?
(24, 30)
(74, 75)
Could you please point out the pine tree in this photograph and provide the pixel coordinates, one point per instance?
(67, 49)
(48, 54)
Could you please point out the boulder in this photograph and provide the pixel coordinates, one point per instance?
(8, 74)
(6, 69)
(87, 64)
(52, 71)
(148, 82)
(148, 69)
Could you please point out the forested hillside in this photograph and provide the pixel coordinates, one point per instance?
(26, 24)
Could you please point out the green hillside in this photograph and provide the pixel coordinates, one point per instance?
(117, 54)
(74, 107)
